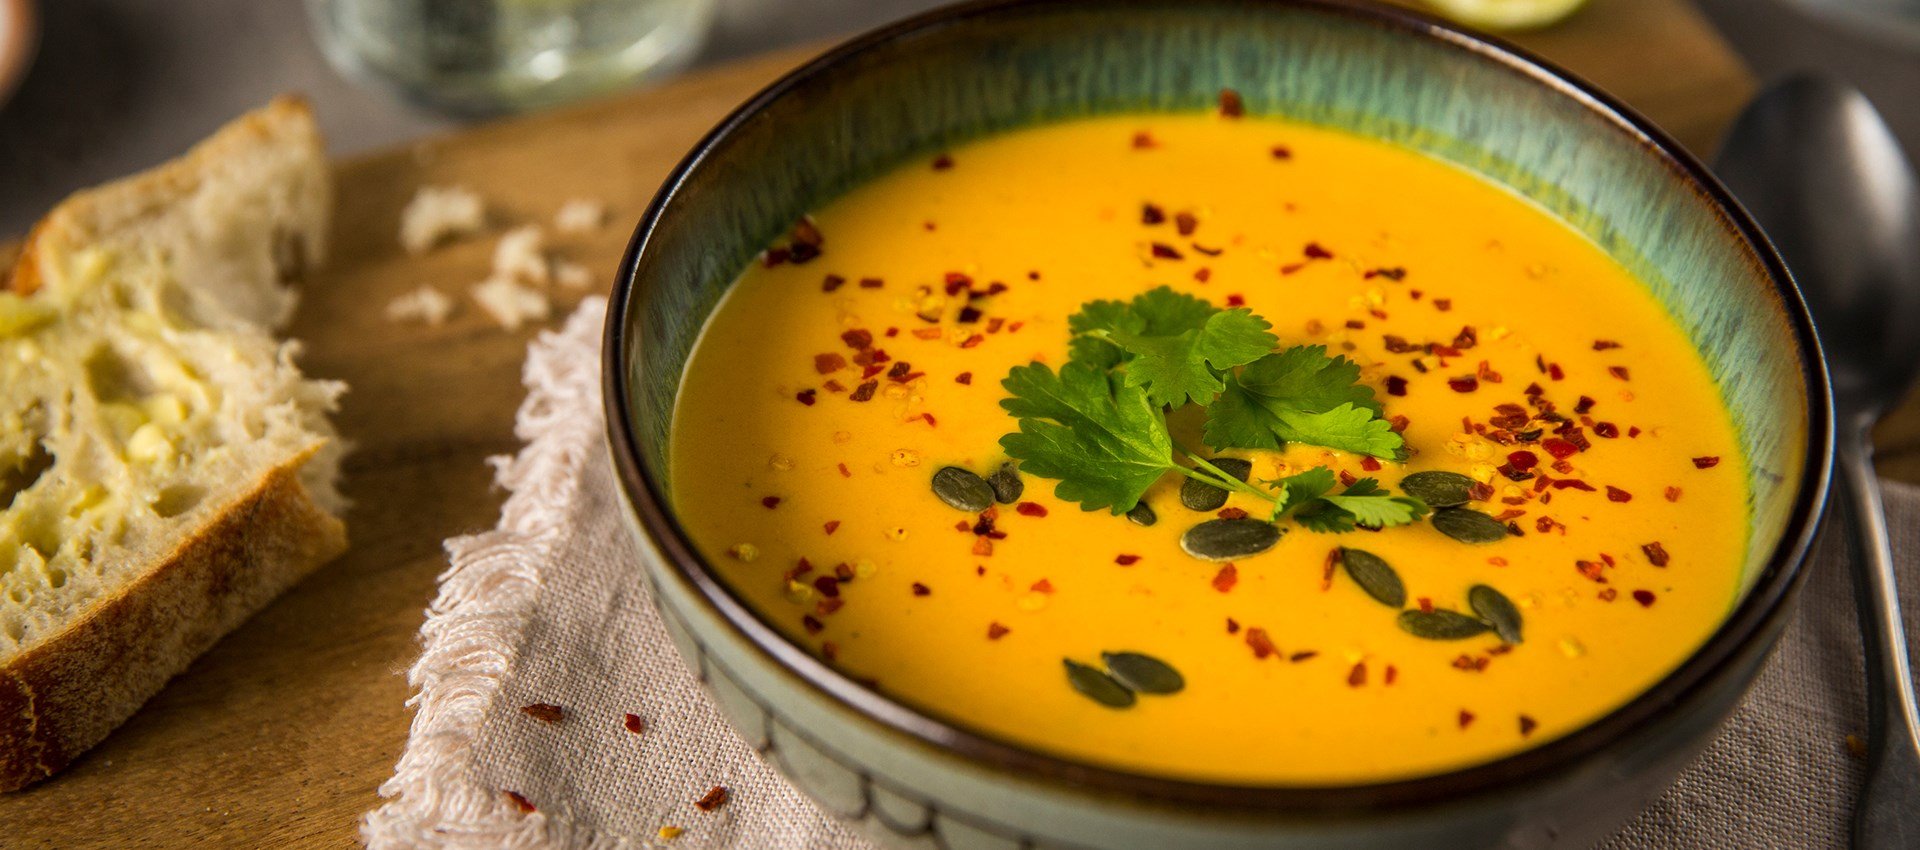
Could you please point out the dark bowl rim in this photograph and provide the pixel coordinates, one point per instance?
(1763, 604)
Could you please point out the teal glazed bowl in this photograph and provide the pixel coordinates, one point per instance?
(913, 778)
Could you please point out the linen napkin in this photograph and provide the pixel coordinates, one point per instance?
(546, 609)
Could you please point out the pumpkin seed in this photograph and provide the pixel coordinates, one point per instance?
(1226, 539)
(1439, 489)
(1142, 514)
(962, 489)
(1468, 526)
(1375, 576)
(1097, 686)
(1006, 484)
(1441, 625)
(1494, 607)
(1200, 496)
(1143, 673)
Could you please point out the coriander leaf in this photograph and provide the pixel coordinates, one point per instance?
(1189, 365)
(1379, 510)
(1301, 395)
(1164, 312)
(1096, 352)
(1362, 503)
(1102, 440)
(1298, 489)
(1090, 328)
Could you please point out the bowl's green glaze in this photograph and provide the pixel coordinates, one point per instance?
(977, 69)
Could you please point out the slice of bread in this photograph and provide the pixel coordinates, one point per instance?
(165, 470)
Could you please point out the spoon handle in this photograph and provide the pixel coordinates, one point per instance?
(1889, 812)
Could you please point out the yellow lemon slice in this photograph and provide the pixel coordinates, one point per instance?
(1506, 14)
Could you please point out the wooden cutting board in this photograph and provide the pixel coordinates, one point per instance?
(281, 734)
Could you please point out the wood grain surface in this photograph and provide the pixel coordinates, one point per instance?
(281, 734)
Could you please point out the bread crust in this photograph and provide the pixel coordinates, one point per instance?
(64, 695)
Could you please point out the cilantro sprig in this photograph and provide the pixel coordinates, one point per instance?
(1098, 427)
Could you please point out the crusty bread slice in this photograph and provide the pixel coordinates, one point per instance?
(165, 470)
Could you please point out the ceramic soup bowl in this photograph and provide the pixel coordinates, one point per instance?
(966, 71)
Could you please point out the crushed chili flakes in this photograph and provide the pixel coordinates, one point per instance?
(1126, 560)
(1151, 214)
(1042, 586)
(1230, 104)
(1615, 494)
(713, 799)
(872, 283)
(1202, 274)
(1261, 644)
(519, 802)
(995, 631)
(1370, 463)
(1226, 578)
(1706, 462)
(1032, 509)
(812, 624)
(1619, 372)
(770, 502)
(1673, 494)
(1233, 626)
(1302, 655)
(1358, 675)
(832, 282)
(1608, 595)
(634, 724)
(864, 392)
(1185, 223)
(857, 339)
(1656, 553)
(1144, 140)
(1166, 252)
(1396, 385)
(544, 712)
(1236, 300)
(1232, 513)
(1464, 383)
(1443, 304)
(921, 589)
(845, 472)
(1644, 597)
(942, 162)
(1527, 725)
(831, 526)
(805, 396)
(1466, 718)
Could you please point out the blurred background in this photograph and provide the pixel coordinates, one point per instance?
(117, 85)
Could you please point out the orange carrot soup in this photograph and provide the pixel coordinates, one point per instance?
(1214, 448)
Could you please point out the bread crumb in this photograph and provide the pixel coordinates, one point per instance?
(522, 255)
(510, 303)
(580, 215)
(572, 275)
(426, 304)
(437, 213)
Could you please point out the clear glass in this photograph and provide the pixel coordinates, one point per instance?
(481, 57)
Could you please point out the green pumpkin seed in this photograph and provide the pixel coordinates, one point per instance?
(1226, 539)
(1200, 496)
(1441, 625)
(1143, 673)
(1494, 607)
(1468, 526)
(1142, 514)
(1097, 686)
(962, 490)
(1375, 576)
(1439, 489)
(1006, 483)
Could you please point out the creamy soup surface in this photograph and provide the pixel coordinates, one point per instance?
(866, 352)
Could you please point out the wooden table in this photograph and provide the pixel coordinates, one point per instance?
(280, 735)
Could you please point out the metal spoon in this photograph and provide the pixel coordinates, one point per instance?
(1815, 164)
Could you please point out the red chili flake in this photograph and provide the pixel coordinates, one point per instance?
(521, 803)
(964, 378)
(826, 607)
(544, 712)
(1522, 460)
(1261, 644)
(982, 547)
(1464, 383)
(1466, 718)
(1606, 429)
(1466, 338)
(1425, 604)
(1126, 560)
(770, 502)
(1347, 478)
(871, 283)
(942, 162)
(1202, 274)
(1302, 655)
(1608, 595)
(968, 315)
(1165, 251)
(1487, 374)
(921, 589)
(1185, 223)
(892, 332)
(1143, 140)
(1233, 626)
(832, 282)
(1042, 586)
(995, 631)
(994, 324)
(1396, 385)
(1356, 324)
(1572, 484)
(1527, 725)
(864, 392)
(834, 386)
(1555, 372)
(972, 341)
(634, 724)
(827, 585)
(1618, 372)
(1150, 214)
(1604, 344)
(1644, 597)
(1633, 430)
(1397, 345)
(1327, 567)
(1615, 494)
(1673, 494)
(1584, 405)
(1281, 152)
(1370, 464)
(805, 397)
(813, 626)
(1226, 578)
(1398, 423)
(931, 422)
(1391, 675)
(1443, 304)
(1313, 251)
(1656, 553)
(773, 257)
(1230, 104)
(845, 472)
(1559, 448)
(1033, 509)
(1592, 570)
(1236, 300)
(857, 339)
(1358, 675)
(1706, 462)
(715, 798)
